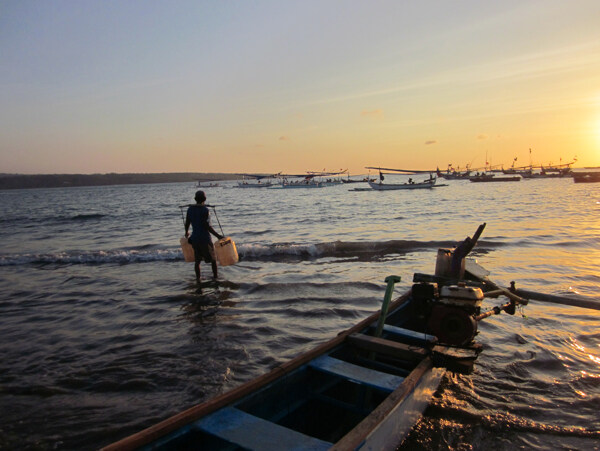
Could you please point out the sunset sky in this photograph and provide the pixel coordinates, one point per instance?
(294, 86)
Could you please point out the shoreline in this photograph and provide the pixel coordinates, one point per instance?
(30, 181)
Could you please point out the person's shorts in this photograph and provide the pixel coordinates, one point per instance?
(204, 251)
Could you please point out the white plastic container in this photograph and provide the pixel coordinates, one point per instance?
(226, 252)
(188, 250)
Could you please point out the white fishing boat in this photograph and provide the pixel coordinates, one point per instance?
(257, 184)
(303, 184)
(308, 181)
(331, 182)
(410, 184)
(256, 181)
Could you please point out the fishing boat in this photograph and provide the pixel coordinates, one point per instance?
(493, 178)
(426, 184)
(454, 174)
(257, 184)
(363, 389)
(363, 180)
(256, 181)
(308, 181)
(548, 171)
(586, 177)
(546, 174)
(328, 178)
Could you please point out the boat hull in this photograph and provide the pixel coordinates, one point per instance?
(399, 186)
(254, 185)
(302, 185)
(484, 179)
(391, 422)
(454, 176)
(363, 389)
(327, 398)
(586, 177)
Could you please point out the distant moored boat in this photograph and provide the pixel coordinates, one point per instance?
(586, 177)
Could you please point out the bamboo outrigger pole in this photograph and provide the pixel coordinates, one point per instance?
(564, 300)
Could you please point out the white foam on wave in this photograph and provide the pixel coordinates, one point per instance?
(123, 256)
(260, 250)
(275, 251)
(93, 257)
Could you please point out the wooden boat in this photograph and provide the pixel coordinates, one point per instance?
(303, 184)
(547, 174)
(363, 389)
(453, 174)
(257, 180)
(586, 177)
(493, 178)
(257, 184)
(548, 171)
(331, 182)
(366, 179)
(426, 184)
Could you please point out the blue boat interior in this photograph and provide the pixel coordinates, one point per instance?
(315, 405)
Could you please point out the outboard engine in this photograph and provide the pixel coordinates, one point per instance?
(452, 316)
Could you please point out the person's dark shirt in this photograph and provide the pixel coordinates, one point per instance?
(198, 215)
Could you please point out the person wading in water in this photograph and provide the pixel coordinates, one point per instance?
(198, 216)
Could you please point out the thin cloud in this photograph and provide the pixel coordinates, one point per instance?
(482, 136)
(375, 114)
(580, 56)
(284, 138)
(430, 142)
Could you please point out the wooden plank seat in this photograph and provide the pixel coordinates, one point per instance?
(254, 433)
(388, 347)
(416, 337)
(358, 374)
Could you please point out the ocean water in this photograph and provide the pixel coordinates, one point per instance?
(103, 330)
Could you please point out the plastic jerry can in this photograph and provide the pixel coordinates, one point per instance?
(226, 252)
(188, 250)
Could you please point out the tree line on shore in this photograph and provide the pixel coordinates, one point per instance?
(21, 181)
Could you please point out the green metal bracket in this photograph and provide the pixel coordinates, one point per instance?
(391, 281)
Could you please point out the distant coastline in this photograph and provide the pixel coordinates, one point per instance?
(24, 181)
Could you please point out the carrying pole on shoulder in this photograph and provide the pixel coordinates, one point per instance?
(181, 207)
(218, 222)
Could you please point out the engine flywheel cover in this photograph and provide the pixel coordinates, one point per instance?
(452, 325)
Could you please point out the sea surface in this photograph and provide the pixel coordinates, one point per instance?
(103, 330)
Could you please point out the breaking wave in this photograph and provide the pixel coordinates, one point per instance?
(345, 249)
(93, 257)
(280, 252)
